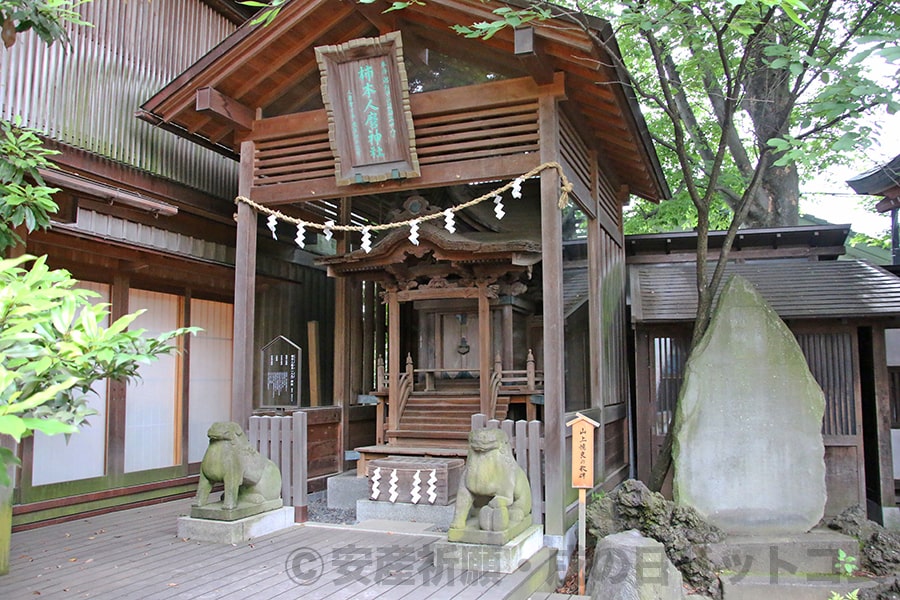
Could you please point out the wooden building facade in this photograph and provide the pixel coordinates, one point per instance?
(453, 305)
(840, 311)
(146, 221)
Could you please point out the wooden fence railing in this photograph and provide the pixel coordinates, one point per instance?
(527, 441)
(284, 441)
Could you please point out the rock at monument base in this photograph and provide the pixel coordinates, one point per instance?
(216, 512)
(748, 448)
(489, 558)
(629, 566)
(235, 532)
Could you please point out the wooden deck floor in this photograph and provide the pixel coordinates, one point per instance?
(136, 554)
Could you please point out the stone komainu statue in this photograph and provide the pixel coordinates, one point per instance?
(249, 477)
(492, 484)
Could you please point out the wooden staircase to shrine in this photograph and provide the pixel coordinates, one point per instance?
(440, 418)
(435, 413)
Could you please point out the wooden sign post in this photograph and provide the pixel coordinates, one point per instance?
(582, 478)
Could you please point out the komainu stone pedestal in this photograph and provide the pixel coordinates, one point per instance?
(489, 558)
(217, 512)
(240, 530)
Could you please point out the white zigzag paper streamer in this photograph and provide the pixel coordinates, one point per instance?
(416, 486)
(517, 188)
(328, 233)
(300, 238)
(393, 488)
(414, 233)
(367, 239)
(498, 207)
(271, 222)
(432, 488)
(376, 477)
(449, 224)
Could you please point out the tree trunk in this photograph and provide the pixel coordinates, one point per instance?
(768, 100)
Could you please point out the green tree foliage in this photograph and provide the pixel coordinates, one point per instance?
(26, 199)
(789, 89)
(47, 18)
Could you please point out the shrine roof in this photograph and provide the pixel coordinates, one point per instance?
(272, 71)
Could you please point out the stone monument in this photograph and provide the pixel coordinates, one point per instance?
(252, 491)
(492, 527)
(748, 448)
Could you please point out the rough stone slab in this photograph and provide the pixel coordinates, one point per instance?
(489, 558)
(235, 532)
(791, 587)
(748, 448)
(440, 516)
(394, 526)
(629, 566)
(891, 516)
(345, 489)
(215, 512)
(813, 552)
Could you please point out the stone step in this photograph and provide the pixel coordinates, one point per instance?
(813, 552)
(790, 587)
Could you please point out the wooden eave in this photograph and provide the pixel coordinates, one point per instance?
(272, 71)
(394, 248)
(880, 181)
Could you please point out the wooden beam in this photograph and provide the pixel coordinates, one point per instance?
(244, 297)
(437, 293)
(526, 49)
(210, 100)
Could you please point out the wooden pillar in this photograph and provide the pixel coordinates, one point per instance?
(485, 356)
(554, 324)
(380, 324)
(182, 435)
(645, 407)
(393, 303)
(115, 404)
(368, 334)
(883, 420)
(596, 260)
(244, 297)
(509, 350)
(343, 336)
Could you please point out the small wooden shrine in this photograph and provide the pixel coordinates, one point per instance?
(473, 192)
